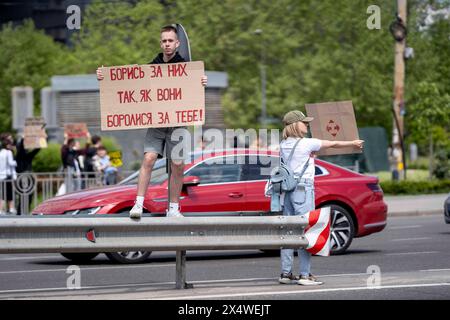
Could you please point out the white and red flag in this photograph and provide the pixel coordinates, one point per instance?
(318, 232)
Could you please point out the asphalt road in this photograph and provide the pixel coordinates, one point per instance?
(410, 259)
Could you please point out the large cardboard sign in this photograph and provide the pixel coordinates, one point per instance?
(151, 96)
(333, 121)
(76, 130)
(34, 134)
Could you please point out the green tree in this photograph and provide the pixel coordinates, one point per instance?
(429, 117)
(313, 50)
(118, 33)
(28, 57)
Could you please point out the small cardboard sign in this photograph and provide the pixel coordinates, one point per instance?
(334, 121)
(151, 96)
(76, 130)
(115, 157)
(34, 134)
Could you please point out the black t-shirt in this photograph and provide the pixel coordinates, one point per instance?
(159, 59)
(88, 163)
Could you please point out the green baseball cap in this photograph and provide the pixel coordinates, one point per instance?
(295, 116)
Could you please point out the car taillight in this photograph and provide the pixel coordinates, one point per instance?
(375, 187)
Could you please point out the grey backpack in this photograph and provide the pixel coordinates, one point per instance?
(282, 177)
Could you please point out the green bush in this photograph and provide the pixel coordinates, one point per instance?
(421, 163)
(406, 187)
(111, 144)
(48, 159)
(442, 165)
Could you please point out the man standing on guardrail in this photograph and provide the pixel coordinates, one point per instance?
(157, 138)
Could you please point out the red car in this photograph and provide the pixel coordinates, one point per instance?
(232, 182)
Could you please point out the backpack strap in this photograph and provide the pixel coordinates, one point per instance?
(292, 152)
(304, 169)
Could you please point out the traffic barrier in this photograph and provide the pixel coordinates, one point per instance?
(46, 234)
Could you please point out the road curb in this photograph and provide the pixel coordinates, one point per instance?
(416, 213)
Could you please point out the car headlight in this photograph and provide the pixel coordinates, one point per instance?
(86, 211)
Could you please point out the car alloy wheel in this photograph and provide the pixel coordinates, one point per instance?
(128, 257)
(342, 229)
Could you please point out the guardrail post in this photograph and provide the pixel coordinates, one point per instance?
(181, 271)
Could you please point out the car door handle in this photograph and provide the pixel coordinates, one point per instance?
(236, 195)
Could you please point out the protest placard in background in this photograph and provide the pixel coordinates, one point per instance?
(115, 157)
(333, 121)
(76, 130)
(149, 96)
(34, 135)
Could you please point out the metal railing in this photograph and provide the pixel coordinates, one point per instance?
(30, 189)
(112, 234)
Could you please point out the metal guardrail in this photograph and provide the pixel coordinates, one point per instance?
(112, 234)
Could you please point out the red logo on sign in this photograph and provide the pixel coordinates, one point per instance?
(333, 128)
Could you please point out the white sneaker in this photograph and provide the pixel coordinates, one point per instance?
(136, 211)
(174, 213)
(13, 211)
(2, 213)
(309, 281)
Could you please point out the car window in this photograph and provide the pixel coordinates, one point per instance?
(217, 171)
(259, 167)
(318, 171)
(159, 174)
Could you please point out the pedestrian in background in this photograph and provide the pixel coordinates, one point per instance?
(24, 159)
(69, 157)
(7, 175)
(302, 200)
(104, 165)
(91, 151)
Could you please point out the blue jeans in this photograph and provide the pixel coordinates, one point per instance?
(298, 202)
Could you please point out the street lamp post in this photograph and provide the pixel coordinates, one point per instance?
(399, 31)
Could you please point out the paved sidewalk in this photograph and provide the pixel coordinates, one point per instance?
(415, 205)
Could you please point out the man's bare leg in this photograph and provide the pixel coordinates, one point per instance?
(176, 183)
(145, 174)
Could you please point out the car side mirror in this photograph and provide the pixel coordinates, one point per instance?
(191, 181)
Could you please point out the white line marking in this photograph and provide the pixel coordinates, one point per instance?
(434, 270)
(404, 227)
(411, 239)
(408, 253)
(234, 295)
(165, 283)
(30, 258)
(275, 279)
(86, 288)
(87, 269)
